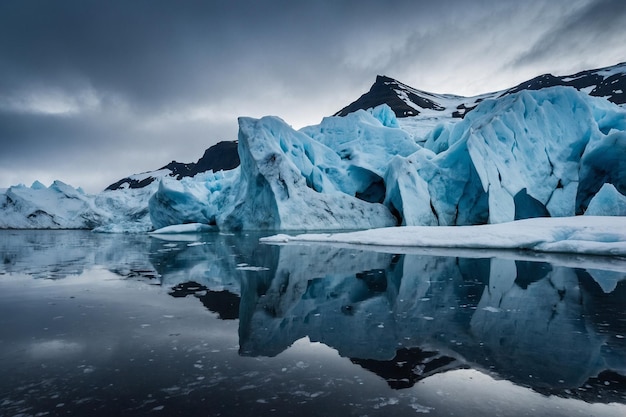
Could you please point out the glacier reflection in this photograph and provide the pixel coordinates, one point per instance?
(555, 325)
(549, 327)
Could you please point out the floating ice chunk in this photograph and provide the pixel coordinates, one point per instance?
(184, 228)
(252, 268)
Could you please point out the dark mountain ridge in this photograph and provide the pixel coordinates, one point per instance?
(388, 91)
(406, 101)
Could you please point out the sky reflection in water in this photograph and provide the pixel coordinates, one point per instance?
(221, 325)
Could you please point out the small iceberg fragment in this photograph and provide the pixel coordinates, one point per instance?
(184, 228)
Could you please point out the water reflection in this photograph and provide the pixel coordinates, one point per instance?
(549, 327)
(557, 325)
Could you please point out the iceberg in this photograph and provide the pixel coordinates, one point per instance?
(188, 200)
(286, 181)
(61, 206)
(366, 141)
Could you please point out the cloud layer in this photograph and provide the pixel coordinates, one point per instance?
(93, 91)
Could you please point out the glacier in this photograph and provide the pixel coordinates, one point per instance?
(530, 154)
(544, 153)
(555, 152)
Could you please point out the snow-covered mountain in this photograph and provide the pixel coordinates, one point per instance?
(533, 150)
(406, 101)
(608, 82)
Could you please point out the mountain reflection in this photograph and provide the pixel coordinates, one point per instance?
(224, 303)
(558, 327)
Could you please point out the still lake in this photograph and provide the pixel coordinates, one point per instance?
(221, 325)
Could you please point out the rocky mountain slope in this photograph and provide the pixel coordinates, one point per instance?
(222, 156)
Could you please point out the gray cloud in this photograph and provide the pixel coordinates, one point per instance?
(155, 53)
(91, 91)
(594, 29)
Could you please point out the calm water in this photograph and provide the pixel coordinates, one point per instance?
(220, 325)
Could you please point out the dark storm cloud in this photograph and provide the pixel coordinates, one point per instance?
(152, 57)
(159, 53)
(145, 51)
(130, 85)
(601, 24)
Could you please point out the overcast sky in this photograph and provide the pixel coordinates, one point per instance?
(92, 91)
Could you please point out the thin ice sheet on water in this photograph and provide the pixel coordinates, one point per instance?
(594, 235)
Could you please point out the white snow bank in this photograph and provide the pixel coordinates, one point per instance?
(582, 234)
